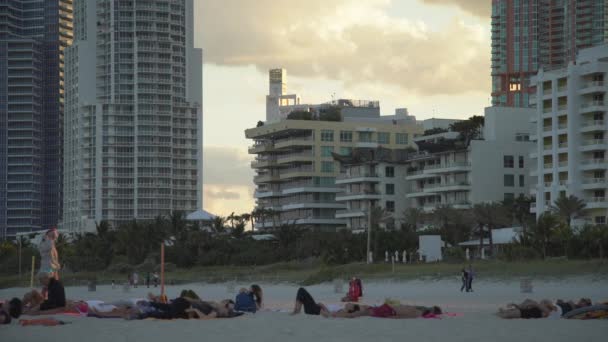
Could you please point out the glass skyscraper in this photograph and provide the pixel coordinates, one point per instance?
(33, 37)
(532, 34)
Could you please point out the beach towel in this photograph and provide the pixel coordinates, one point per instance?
(47, 322)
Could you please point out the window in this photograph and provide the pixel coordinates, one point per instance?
(509, 180)
(365, 136)
(509, 196)
(508, 162)
(402, 138)
(521, 162)
(600, 220)
(389, 172)
(326, 151)
(327, 135)
(390, 189)
(346, 136)
(346, 151)
(390, 206)
(327, 166)
(384, 138)
(522, 180)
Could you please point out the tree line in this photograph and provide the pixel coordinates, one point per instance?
(136, 245)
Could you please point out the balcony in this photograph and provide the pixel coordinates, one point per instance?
(594, 144)
(446, 187)
(593, 125)
(358, 195)
(448, 167)
(351, 213)
(297, 172)
(263, 163)
(260, 148)
(294, 142)
(266, 179)
(357, 178)
(312, 204)
(592, 106)
(266, 194)
(309, 187)
(597, 203)
(595, 183)
(296, 157)
(594, 164)
(420, 192)
(592, 87)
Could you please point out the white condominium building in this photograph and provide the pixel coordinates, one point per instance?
(571, 134)
(372, 177)
(133, 121)
(295, 169)
(446, 171)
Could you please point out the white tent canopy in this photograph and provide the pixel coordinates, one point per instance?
(200, 215)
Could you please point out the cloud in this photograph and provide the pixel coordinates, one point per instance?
(224, 194)
(227, 166)
(353, 41)
(480, 8)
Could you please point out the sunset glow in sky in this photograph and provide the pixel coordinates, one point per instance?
(430, 56)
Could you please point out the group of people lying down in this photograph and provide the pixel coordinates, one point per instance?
(542, 309)
(187, 306)
(352, 310)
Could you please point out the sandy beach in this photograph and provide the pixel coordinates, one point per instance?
(476, 322)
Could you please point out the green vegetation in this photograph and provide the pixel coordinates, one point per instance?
(331, 113)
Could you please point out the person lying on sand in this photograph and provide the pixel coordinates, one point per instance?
(210, 310)
(304, 299)
(396, 311)
(249, 300)
(34, 302)
(570, 305)
(529, 309)
(10, 309)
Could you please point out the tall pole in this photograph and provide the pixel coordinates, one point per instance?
(369, 231)
(162, 271)
(20, 258)
(32, 275)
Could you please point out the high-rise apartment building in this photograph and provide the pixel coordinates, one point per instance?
(133, 123)
(295, 166)
(531, 34)
(33, 37)
(571, 133)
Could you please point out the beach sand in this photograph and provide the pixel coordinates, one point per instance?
(477, 322)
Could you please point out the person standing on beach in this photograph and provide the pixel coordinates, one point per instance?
(470, 276)
(135, 279)
(148, 280)
(49, 258)
(465, 280)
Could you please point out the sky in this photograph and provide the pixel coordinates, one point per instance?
(430, 56)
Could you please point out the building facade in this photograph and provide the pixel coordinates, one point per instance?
(528, 35)
(372, 177)
(296, 174)
(571, 134)
(33, 37)
(447, 172)
(133, 132)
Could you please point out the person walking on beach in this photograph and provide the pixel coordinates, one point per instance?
(148, 280)
(155, 276)
(135, 279)
(470, 276)
(465, 280)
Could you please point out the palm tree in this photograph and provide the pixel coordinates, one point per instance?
(490, 216)
(568, 208)
(231, 218)
(412, 218)
(519, 209)
(218, 225)
(543, 230)
(247, 217)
